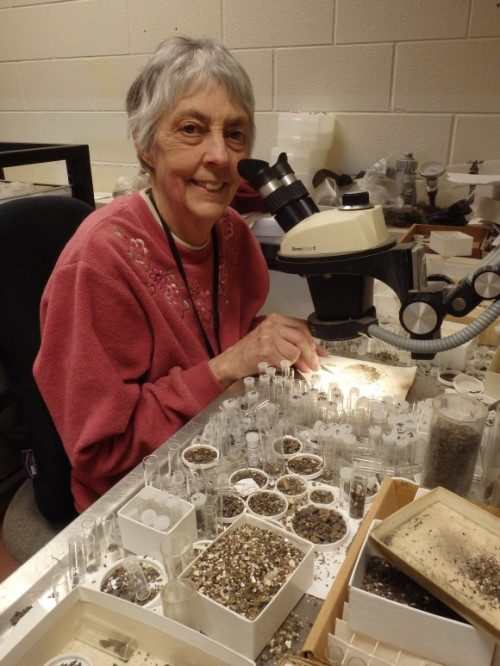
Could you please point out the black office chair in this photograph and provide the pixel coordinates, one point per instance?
(33, 231)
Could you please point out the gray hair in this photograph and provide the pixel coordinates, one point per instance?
(181, 66)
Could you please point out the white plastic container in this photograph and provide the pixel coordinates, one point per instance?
(40, 636)
(301, 160)
(143, 540)
(436, 638)
(451, 243)
(307, 129)
(249, 637)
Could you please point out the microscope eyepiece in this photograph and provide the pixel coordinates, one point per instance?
(284, 194)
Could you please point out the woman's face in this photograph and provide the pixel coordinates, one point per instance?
(197, 148)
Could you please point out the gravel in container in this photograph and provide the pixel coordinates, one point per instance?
(319, 525)
(245, 568)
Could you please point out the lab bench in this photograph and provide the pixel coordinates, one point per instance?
(32, 581)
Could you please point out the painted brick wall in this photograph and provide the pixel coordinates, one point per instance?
(419, 75)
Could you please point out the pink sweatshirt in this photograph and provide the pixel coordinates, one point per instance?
(122, 365)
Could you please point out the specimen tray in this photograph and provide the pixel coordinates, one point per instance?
(452, 548)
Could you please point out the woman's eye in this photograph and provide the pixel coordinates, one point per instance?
(190, 129)
(237, 135)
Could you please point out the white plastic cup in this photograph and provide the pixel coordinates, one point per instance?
(177, 553)
(180, 602)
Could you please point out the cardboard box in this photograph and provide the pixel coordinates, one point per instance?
(393, 495)
(159, 639)
(143, 540)
(478, 233)
(249, 637)
(449, 642)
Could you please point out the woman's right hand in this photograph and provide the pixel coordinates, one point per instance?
(275, 339)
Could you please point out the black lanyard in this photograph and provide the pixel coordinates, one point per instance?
(215, 281)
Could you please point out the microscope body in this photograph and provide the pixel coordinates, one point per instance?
(341, 251)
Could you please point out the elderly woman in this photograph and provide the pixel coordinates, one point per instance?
(151, 310)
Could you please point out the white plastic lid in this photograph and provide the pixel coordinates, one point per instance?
(471, 386)
(198, 499)
(162, 523)
(252, 437)
(389, 437)
(349, 440)
(345, 473)
(148, 517)
(69, 658)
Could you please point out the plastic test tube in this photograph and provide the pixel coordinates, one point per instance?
(249, 383)
(76, 560)
(285, 366)
(345, 483)
(59, 585)
(199, 501)
(89, 526)
(91, 543)
(173, 508)
(210, 522)
(112, 535)
(137, 580)
(105, 638)
(151, 468)
(357, 495)
(92, 553)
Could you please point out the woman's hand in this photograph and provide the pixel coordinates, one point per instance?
(275, 339)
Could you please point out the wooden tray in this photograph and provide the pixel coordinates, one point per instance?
(452, 548)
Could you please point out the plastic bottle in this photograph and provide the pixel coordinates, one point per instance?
(254, 458)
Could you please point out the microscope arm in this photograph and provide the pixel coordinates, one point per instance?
(421, 316)
(482, 283)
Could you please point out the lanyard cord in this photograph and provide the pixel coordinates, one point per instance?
(215, 281)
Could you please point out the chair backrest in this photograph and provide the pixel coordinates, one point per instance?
(33, 231)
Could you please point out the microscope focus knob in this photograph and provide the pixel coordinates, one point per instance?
(487, 283)
(419, 318)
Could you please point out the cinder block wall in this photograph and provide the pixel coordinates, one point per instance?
(400, 75)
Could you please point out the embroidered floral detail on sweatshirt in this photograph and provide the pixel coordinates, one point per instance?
(171, 286)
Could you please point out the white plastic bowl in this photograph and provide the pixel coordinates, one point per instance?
(291, 496)
(326, 546)
(313, 457)
(196, 465)
(276, 496)
(68, 658)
